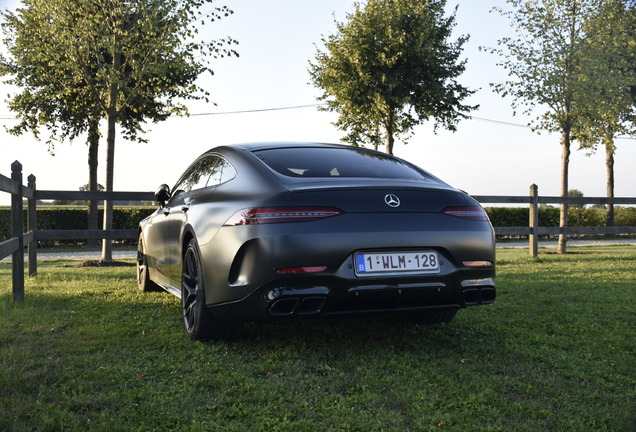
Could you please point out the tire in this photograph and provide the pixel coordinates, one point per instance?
(200, 324)
(143, 278)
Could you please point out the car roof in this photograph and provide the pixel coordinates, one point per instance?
(283, 144)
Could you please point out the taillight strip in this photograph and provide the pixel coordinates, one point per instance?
(269, 215)
(469, 213)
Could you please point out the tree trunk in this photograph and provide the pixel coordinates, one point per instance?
(609, 165)
(390, 140)
(563, 214)
(93, 145)
(107, 244)
(111, 115)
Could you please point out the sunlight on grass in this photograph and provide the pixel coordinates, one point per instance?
(556, 351)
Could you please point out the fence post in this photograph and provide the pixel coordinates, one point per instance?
(534, 221)
(33, 227)
(17, 230)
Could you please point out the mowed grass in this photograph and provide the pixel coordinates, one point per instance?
(556, 352)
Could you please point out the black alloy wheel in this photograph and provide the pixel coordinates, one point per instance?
(200, 323)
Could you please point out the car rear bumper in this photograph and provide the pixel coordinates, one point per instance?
(307, 297)
(244, 281)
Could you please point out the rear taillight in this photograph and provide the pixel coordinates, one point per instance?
(477, 263)
(269, 215)
(300, 270)
(469, 213)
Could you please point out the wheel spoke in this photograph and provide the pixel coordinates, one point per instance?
(188, 314)
(190, 277)
(192, 266)
(189, 288)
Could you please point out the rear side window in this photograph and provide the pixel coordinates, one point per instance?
(313, 162)
(211, 170)
(222, 173)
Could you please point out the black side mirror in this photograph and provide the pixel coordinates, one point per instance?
(162, 195)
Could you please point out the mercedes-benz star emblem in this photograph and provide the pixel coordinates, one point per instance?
(392, 200)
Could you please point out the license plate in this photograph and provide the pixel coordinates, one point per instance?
(370, 263)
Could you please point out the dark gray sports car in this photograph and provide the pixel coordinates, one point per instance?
(296, 230)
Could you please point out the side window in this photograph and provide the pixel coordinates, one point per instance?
(223, 172)
(196, 177)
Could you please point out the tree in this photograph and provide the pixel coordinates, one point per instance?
(390, 67)
(123, 61)
(612, 44)
(547, 63)
(575, 193)
(46, 100)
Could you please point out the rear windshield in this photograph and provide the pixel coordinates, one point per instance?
(313, 162)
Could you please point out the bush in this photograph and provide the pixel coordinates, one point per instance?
(549, 216)
(625, 216)
(508, 217)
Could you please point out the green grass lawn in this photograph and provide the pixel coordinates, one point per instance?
(556, 352)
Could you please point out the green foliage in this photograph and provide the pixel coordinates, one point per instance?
(124, 61)
(575, 193)
(611, 44)
(571, 69)
(547, 62)
(87, 351)
(549, 217)
(573, 62)
(508, 217)
(77, 60)
(625, 216)
(578, 216)
(389, 67)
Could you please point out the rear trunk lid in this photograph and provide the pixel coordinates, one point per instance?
(374, 198)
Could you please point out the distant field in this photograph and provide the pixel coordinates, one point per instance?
(556, 352)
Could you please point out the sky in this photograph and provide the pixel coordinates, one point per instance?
(493, 153)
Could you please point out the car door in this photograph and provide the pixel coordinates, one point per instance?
(173, 217)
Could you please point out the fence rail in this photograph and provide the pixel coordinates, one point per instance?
(98, 196)
(19, 238)
(495, 199)
(533, 231)
(566, 230)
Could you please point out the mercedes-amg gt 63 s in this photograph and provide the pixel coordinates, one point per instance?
(260, 232)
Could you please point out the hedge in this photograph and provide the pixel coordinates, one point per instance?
(129, 217)
(549, 216)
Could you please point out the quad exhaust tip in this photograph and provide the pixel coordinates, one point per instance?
(297, 306)
(475, 296)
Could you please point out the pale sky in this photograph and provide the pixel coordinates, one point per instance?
(488, 155)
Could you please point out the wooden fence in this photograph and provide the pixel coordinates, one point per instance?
(15, 245)
(19, 239)
(533, 230)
